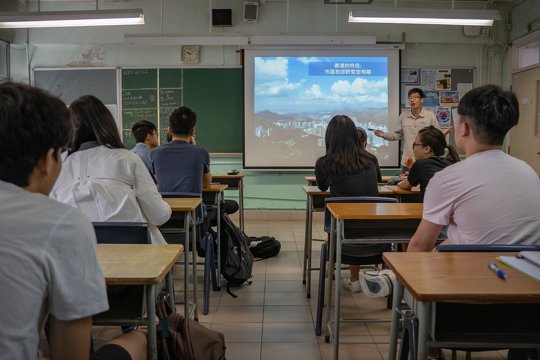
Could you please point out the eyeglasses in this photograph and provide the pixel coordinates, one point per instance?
(415, 144)
(415, 97)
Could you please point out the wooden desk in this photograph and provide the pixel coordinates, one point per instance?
(187, 207)
(212, 196)
(312, 181)
(358, 211)
(458, 277)
(135, 264)
(235, 182)
(315, 203)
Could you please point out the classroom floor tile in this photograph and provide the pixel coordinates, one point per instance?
(273, 319)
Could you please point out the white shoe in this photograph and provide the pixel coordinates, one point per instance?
(352, 286)
(376, 283)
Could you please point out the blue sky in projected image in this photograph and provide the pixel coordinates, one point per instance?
(284, 85)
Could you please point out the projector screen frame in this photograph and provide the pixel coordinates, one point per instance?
(390, 51)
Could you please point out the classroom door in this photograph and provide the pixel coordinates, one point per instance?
(525, 137)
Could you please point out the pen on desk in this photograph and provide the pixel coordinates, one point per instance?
(497, 271)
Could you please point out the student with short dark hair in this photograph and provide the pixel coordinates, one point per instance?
(147, 137)
(490, 197)
(48, 262)
(348, 169)
(428, 148)
(102, 178)
(181, 165)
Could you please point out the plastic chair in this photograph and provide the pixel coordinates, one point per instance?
(174, 233)
(360, 254)
(409, 321)
(125, 302)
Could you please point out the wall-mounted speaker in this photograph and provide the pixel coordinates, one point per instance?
(221, 17)
(251, 10)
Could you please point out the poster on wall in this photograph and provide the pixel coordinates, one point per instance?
(427, 78)
(444, 116)
(449, 97)
(431, 98)
(409, 75)
(444, 79)
(463, 88)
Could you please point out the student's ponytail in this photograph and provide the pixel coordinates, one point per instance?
(452, 155)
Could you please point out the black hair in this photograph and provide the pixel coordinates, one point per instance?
(362, 134)
(418, 91)
(141, 129)
(491, 112)
(182, 121)
(345, 154)
(31, 123)
(434, 138)
(93, 122)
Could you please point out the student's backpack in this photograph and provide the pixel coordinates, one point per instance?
(185, 339)
(236, 258)
(264, 247)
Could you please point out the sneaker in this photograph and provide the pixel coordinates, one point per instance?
(352, 286)
(375, 283)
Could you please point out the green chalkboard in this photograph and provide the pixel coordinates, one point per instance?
(139, 79)
(216, 95)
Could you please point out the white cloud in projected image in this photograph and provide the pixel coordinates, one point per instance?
(272, 78)
(285, 85)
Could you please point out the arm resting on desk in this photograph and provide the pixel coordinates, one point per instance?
(70, 339)
(405, 185)
(425, 236)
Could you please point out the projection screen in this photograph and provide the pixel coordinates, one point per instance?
(291, 95)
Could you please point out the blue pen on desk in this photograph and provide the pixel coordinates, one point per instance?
(497, 270)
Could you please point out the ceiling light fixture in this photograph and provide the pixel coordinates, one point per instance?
(424, 16)
(50, 19)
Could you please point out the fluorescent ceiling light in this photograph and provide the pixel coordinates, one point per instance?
(424, 16)
(48, 19)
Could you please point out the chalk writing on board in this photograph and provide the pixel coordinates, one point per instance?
(170, 97)
(128, 72)
(137, 99)
(164, 114)
(130, 117)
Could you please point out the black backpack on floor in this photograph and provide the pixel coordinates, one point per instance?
(264, 247)
(236, 258)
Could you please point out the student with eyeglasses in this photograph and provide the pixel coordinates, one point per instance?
(428, 148)
(411, 122)
(146, 135)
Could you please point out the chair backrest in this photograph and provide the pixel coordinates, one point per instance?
(352, 199)
(122, 233)
(486, 248)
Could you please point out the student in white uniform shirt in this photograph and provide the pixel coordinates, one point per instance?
(48, 262)
(103, 179)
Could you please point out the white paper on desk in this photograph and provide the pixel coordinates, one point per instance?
(523, 265)
(531, 256)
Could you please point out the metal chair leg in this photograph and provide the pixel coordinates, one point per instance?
(320, 292)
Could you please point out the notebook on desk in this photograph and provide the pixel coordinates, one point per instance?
(528, 262)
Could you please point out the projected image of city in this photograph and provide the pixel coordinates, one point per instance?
(295, 98)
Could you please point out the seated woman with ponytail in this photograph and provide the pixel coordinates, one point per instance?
(428, 148)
